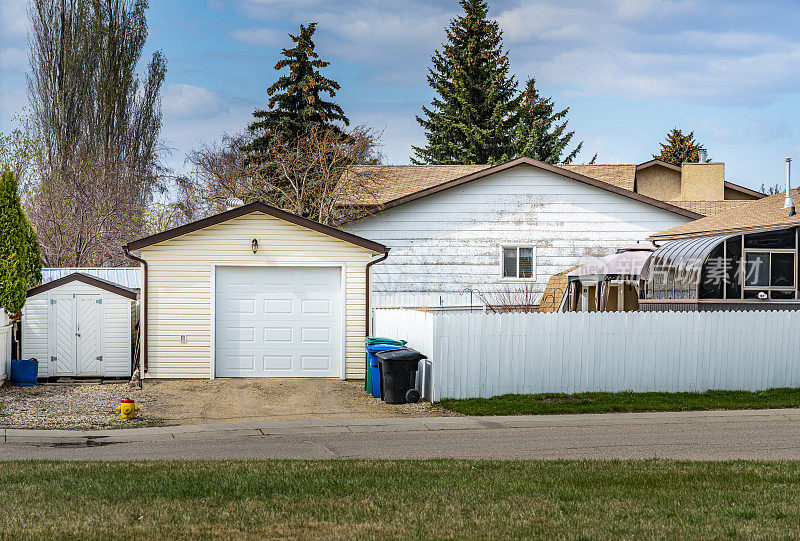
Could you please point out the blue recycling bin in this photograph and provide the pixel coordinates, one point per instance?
(375, 365)
(24, 371)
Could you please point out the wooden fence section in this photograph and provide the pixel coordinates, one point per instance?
(483, 355)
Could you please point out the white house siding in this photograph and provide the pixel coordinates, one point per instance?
(180, 288)
(448, 242)
(37, 324)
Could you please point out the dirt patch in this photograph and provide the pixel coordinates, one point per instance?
(70, 406)
(270, 399)
(563, 399)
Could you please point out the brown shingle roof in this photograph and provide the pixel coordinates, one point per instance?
(766, 213)
(709, 208)
(390, 182)
(622, 175)
(394, 181)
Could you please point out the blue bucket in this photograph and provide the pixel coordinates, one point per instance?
(24, 371)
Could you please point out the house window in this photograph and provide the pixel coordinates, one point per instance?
(769, 274)
(518, 262)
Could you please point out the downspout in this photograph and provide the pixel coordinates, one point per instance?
(143, 348)
(381, 258)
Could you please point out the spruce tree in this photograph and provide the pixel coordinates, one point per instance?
(20, 262)
(295, 102)
(679, 148)
(470, 119)
(540, 132)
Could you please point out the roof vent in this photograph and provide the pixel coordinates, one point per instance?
(702, 155)
(233, 202)
(787, 202)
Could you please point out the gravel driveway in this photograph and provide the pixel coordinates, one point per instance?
(196, 401)
(70, 405)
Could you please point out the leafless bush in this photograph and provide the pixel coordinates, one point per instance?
(522, 298)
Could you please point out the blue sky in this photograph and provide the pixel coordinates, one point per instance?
(629, 70)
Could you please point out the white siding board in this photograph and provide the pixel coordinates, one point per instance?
(180, 287)
(448, 242)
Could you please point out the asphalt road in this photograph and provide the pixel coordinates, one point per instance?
(762, 435)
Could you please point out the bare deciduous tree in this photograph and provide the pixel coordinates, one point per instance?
(97, 123)
(84, 213)
(306, 176)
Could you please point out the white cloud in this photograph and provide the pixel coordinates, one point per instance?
(268, 37)
(189, 101)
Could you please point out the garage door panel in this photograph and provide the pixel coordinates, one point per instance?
(279, 306)
(315, 308)
(288, 325)
(240, 306)
(240, 334)
(315, 363)
(278, 335)
(316, 335)
(239, 362)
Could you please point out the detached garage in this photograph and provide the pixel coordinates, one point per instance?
(79, 325)
(254, 292)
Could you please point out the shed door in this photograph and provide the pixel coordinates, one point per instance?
(63, 354)
(77, 331)
(278, 322)
(88, 330)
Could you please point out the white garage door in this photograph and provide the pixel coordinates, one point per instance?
(278, 322)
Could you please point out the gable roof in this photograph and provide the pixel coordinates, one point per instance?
(482, 173)
(656, 161)
(126, 292)
(256, 206)
(765, 213)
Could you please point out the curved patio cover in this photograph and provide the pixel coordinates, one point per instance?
(627, 262)
(673, 270)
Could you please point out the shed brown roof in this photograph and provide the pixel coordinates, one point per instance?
(766, 213)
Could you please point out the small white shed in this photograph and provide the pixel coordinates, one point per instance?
(79, 325)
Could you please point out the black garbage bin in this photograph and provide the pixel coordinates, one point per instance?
(399, 373)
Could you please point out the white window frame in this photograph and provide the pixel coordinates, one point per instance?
(533, 263)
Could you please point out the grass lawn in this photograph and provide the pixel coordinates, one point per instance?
(537, 404)
(405, 499)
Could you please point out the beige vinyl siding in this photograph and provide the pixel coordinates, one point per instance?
(180, 287)
(38, 329)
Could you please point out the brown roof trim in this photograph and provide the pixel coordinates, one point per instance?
(767, 227)
(257, 206)
(86, 279)
(742, 189)
(656, 161)
(547, 167)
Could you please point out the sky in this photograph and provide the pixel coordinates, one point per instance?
(629, 70)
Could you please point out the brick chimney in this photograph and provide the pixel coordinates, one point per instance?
(703, 182)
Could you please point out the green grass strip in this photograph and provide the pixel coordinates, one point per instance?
(439, 499)
(542, 404)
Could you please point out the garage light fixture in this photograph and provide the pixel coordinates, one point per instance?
(254, 245)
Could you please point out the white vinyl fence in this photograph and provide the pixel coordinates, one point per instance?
(5, 347)
(484, 355)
